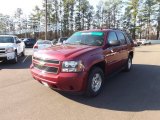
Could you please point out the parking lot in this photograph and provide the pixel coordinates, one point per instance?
(126, 96)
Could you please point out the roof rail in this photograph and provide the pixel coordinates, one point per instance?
(117, 29)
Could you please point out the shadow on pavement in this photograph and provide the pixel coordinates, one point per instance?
(147, 51)
(136, 90)
(23, 63)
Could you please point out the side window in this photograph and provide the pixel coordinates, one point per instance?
(15, 39)
(128, 38)
(121, 38)
(112, 36)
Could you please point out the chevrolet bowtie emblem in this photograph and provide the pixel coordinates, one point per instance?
(42, 63)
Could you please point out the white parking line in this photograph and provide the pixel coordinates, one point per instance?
(25, 58)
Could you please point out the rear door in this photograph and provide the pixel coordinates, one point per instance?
(123, 47)
(112, 54)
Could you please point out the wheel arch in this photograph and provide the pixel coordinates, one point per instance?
(131, 54)
(100, 64)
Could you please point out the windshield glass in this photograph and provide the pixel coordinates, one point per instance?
(87, 38)
(26, 39)
(43, 42)
(6, 40)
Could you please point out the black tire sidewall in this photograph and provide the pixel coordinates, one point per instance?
(89, 92)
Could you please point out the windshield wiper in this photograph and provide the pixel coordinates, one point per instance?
(70, 43)
(84, 44)
(78, 43)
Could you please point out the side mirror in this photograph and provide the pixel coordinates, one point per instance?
(114, 43)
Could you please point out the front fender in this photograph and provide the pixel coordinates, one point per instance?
(92, 60)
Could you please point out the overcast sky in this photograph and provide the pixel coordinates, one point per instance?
(9, 6)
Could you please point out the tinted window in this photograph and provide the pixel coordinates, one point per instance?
(6, 40)
(128, 38)
(17, 39)
(25, 40)
(112, 36)
(121, 38)
(87, 38)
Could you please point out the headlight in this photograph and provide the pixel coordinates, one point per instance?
(72, 66)
(9, 49)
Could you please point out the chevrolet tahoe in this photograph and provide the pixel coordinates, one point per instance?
(84, 62)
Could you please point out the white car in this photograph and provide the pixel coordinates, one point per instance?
(10, 48)
(146, 42)
(42, 44)
(143, 42)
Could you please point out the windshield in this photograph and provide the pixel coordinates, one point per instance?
(6, 40)
(87, 38)
(43, 42)
(26, 39)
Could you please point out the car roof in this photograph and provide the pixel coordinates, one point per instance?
(101, 30)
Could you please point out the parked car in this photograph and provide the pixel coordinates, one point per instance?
(54, 41)
(84, 61)
(146, 42)
(61, 40)
(143, 42)
(10, 48)
(135, 43)
(139, 42)
(41, 44)
(29, 42)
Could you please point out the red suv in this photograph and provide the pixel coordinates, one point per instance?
(84, 61)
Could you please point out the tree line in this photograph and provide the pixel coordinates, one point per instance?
(141, 18)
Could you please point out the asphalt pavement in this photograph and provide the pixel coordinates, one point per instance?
(126, 96)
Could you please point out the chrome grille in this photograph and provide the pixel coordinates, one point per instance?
(46, 68)
(2, 50)
(47, 61)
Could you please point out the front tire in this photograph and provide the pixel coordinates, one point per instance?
(23, 53)
(15, 60)
(95, 82)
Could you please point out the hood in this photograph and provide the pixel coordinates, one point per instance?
(4, 45)
(64, 51)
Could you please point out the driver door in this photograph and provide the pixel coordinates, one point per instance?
(112, 54)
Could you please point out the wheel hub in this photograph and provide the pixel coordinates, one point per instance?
(96, 82)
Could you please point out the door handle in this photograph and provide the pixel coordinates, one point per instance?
(111, 50)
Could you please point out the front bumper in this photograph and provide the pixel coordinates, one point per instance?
(7, 56)
(72, 82)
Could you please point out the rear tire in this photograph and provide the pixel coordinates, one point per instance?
(95, 82)
(128, 64)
